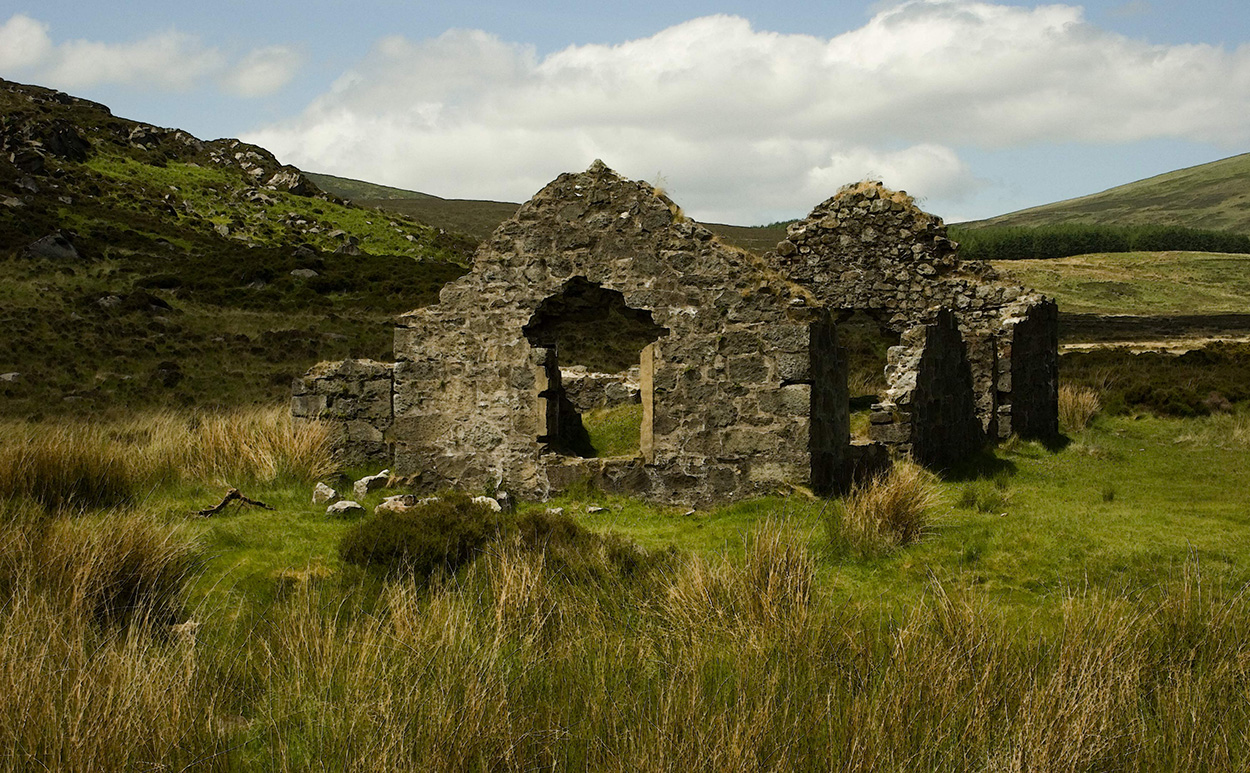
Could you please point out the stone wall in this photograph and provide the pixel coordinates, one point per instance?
(588, 391)
(354, 396)
(929, 411)
(871, 249)
(738, 368)
(1029, 387)
(728, 393)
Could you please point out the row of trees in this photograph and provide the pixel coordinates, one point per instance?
(1061, 241)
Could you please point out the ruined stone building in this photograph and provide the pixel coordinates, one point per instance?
(599, 286)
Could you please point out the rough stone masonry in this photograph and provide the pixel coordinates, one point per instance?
(735, 357)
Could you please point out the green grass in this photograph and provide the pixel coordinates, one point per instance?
(1175, 499)
(1077, 607)
(1210, 196)
(614, 431)
(1140, 282)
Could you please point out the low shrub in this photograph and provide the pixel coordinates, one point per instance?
(441, 535)
(1077, 407)
(1200, 382)
(884, 511)
(581, 555)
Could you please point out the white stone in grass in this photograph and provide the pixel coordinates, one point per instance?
(491, 503)
(344, 508)
(371, 483)
(595, 509)
(323, 494)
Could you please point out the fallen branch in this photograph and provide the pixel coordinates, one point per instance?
(232, 495)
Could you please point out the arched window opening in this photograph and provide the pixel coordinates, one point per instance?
(595, 398)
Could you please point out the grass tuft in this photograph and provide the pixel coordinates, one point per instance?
(885, 511)
(1077, 407)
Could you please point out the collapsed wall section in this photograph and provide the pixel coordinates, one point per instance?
(354, 398)
(929, 411)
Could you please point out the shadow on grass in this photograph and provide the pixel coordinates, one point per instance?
(983, 465)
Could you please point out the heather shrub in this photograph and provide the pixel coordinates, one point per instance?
(440, 535)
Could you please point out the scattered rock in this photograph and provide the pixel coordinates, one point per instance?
(10, 377)
(222, 229)
(371, 483)
(505, 501)
(323, 494)
(595, 509)
(109, 301)
(304, 273)
(402, 503)
(556, 511)
(491, 503)
(55, 246)
(12, 203)
(345, 507)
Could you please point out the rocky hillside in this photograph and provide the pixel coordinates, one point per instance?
(144, 266)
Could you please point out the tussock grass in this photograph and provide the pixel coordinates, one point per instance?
(79, 465)
(885, 511)
(65, 466)
(1219, 431)
(1077, 407)
(716, 663)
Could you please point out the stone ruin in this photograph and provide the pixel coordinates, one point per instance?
(599, 291)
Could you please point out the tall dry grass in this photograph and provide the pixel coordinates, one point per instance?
(884, 511)
(1077, 407)
(83, 465)
(716, 663)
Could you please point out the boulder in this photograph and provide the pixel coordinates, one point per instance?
(323, 494)
(55, 246)
(304, 273)
(10, 377)
(371, 483)
(345, 508)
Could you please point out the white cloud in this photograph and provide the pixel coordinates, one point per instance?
(748, 124)
(24, 43)
(263, 72)
(169, 60)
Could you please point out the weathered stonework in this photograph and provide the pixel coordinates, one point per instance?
(599, 291)
(354, 397)
(928, 410)
(870, 249)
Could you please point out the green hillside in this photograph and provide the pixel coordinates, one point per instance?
(1214, 196)
(143, 266)
(478, 218)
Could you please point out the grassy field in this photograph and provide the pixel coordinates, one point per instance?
(1140, 282)
(1079, 608)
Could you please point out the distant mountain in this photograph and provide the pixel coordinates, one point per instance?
(143, 266)
(1214, 196)
(478, 218)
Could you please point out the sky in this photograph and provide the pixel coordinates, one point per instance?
(745, 113)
